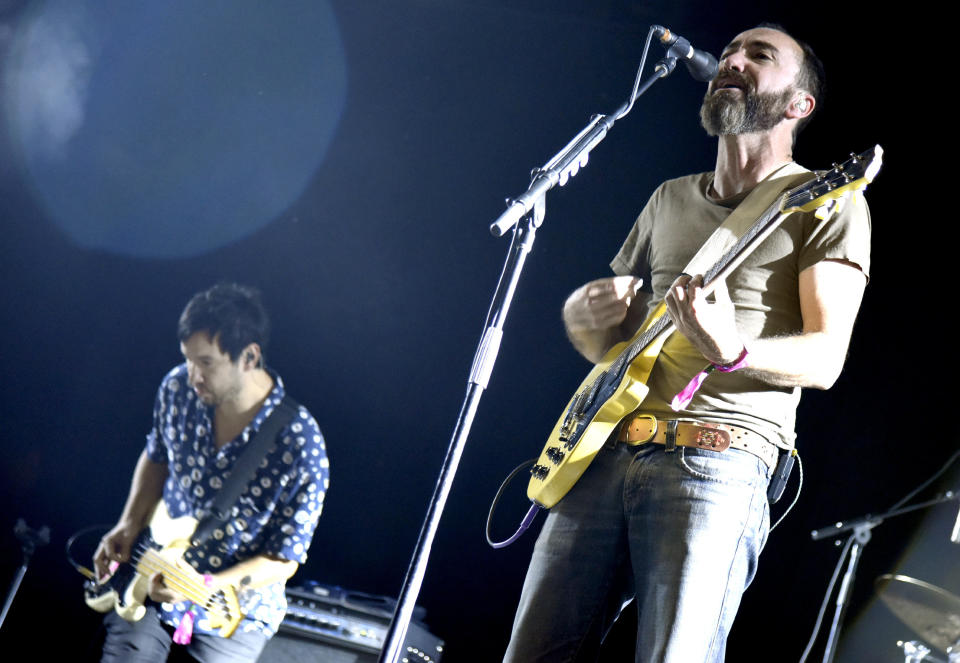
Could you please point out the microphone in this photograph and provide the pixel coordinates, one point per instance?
(701, 65)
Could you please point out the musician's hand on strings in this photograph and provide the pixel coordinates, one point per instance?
(161, 592)
(114, 548)
(709, 326)
(600, 304)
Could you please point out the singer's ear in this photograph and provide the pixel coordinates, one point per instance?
(802, 106)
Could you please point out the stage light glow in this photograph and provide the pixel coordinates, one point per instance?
(169, 129)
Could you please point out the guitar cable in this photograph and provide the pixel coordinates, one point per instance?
(89, 574)
(527, 519)
(534, 508)
(796, 497)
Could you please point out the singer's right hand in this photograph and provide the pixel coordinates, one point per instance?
(600, 304)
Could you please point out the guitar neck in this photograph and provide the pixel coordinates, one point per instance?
(732, 258)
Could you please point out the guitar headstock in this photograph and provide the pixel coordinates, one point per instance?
(853, 174)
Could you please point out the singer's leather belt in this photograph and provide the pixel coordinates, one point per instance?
(646, 429)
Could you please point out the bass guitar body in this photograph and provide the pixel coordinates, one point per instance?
(159, 549)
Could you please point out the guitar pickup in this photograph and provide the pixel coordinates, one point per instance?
(555, 455)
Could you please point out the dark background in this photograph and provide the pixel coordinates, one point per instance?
(379, 274)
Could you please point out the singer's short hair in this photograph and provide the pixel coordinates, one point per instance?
(230, 314)
(811, 78)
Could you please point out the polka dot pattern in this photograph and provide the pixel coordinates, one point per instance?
(275, 515)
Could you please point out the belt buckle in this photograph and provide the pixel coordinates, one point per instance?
(713, 439)
(624, 435)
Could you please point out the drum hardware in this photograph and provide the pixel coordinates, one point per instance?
(931, 612)
(859, 532)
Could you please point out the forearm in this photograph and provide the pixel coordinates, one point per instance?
(811, 360)
(594, 344)
(829, 297)
(146, 489)
(258, 571)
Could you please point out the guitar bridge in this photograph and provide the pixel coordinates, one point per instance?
(569, 429)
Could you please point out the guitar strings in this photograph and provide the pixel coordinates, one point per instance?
(212, 602)
(150, 561)
(175, 577)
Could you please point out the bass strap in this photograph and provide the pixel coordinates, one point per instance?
(244, 469)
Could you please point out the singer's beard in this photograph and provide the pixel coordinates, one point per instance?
(727, 114)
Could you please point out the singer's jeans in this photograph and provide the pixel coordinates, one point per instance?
(680, 531)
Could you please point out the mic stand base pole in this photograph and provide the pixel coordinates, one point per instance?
(12, 592)
(861, 538)
(484, 359)
(29, 539)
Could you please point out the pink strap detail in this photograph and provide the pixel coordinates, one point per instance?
(184, 633)
(682, 399)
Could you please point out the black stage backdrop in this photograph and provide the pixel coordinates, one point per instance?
(378, 273)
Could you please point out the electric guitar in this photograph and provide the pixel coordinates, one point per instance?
(616, 386)
(159, 548)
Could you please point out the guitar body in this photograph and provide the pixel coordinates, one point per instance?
(159, 549)
(570, 449)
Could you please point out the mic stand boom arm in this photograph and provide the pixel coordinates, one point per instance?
(529, 205)
(568, 161)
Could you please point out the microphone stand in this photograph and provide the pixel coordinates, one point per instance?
(861, 528)
(530, 206)
(30, 540)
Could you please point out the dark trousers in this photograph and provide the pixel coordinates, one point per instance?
(150, 641)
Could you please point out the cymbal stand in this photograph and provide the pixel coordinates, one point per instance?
(861, 529)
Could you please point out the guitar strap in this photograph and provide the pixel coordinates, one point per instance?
(727, 234)
(244, 468)
(743, 217)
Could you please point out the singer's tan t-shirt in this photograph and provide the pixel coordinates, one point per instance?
(676, 221)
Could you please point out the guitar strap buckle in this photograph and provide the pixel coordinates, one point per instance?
(670, 436)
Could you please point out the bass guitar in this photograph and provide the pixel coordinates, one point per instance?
(616, 386)
(159, 549)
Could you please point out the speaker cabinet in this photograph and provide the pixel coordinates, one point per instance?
(326, 624)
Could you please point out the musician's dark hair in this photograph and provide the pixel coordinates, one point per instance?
(232, 315)
(812, 78)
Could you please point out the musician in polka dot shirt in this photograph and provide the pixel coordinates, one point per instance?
(206, 412)
(275, 515)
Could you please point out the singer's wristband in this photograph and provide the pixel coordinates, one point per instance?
(738, 363)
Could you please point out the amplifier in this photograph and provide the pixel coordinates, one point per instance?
(327, 623)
